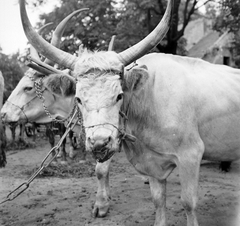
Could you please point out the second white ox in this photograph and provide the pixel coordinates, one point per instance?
(180, 110)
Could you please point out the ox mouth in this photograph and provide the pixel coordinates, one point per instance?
(103, 154)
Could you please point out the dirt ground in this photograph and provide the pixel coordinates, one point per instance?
(67, 199)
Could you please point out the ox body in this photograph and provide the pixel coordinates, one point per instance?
(180, 110)
(175, 97)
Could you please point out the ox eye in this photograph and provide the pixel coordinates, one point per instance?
(28, 89)
(119, 97)
(78, 100)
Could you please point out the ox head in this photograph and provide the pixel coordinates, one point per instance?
(31, 99)
(103, 83)
(103, 93)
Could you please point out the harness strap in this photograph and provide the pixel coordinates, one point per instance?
(22, 107)
(39, 93)
(124, 136)
(38, 68)
(39, 65)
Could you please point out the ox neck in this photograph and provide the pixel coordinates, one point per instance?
(137, 107)
(62, 107)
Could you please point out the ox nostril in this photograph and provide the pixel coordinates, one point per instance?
(106, 141)
(90, 141)
(78, 100)
(3, 115)
(109, 139)
(100, 143)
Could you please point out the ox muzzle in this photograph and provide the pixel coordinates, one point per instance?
(101, 142)
(104, 142)
(11, 113)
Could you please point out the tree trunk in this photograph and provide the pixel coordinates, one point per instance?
(172, 36)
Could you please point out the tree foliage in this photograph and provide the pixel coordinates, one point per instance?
(145, 15)
(11, 71)
(229, 17)
(94, 28)
(129, 20)
(229, 20)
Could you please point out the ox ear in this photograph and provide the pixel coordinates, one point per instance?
(135, 78)
(61, 85)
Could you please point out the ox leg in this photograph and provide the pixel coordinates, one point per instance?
(34, 128)
(13, 127)
(51, 138)
(73, 145)
(102, 203)
(82, 147)
(63, 151)
(21, 139)
(13, 131)
(21, 133)
(158, 191)
(189, 167)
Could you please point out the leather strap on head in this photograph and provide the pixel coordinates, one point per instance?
(42, 67)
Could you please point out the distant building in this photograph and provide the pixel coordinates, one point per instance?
(196, 30)
(207, 44)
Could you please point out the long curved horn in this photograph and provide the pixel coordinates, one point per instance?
(57, 35)
(42, 46)
(58, 32)
(111, 43)
(138, 50)
(33, 51)
(41, 29)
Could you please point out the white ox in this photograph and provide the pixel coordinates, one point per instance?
(180, 110)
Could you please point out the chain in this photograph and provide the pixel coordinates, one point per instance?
(38, 85)
(39, 92)
(45, 162)
(55, 150)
